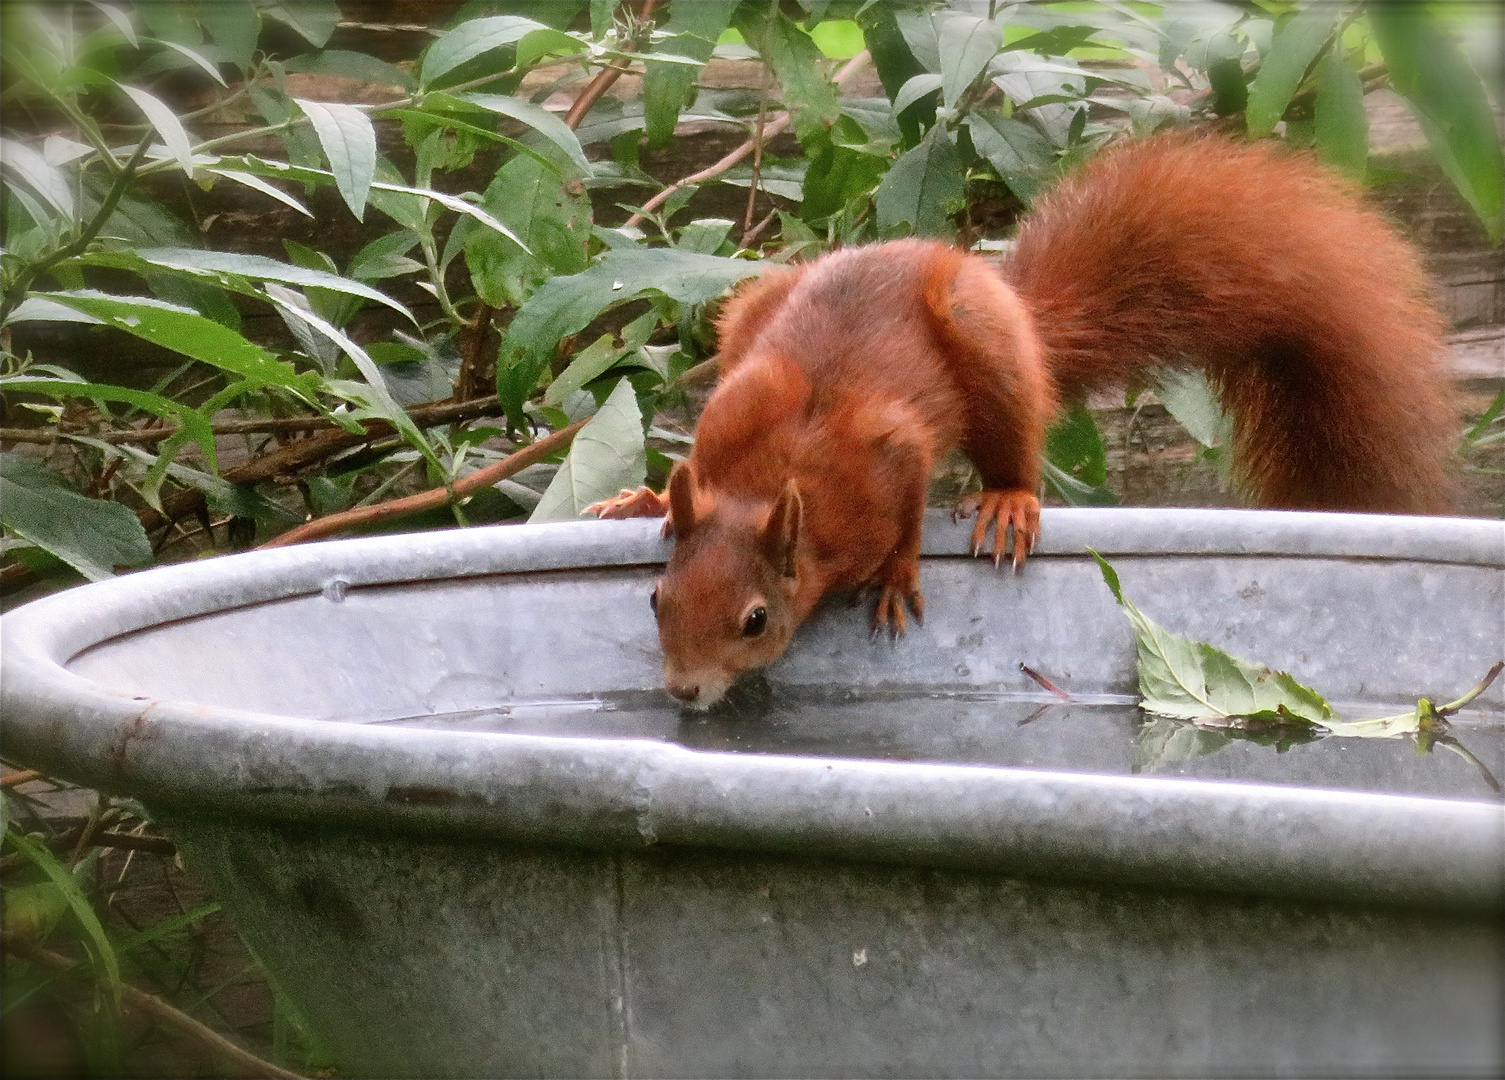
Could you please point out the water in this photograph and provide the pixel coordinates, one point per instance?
(1104, 735)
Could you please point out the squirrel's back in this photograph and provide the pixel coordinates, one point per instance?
(1306, 309)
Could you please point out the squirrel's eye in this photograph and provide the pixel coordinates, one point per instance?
(653, 600)
(757, 621)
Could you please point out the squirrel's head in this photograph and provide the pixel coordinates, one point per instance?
(726, 602)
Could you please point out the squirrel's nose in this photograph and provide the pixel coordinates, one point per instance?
(683, 692)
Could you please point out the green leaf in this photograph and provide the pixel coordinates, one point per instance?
(91, 535)
(349, 142)
(375, 392)
(916, 88)
(34, 171)
(694, 29)
(210, 69)
(1072, 491)
(1285, 64)
(597, 358)
(1449, 102)
(234, 27)
(352, 65)
(385, 257)
(799, 66)
(923, 189)
(1340, 123)
(965, 44)
(167, 124)
(550, 215)
(607, 455)
(189, 333)
(602, 13)
(1074, 444)
(1189, 397)
(471, 39)
(567, 304)
(194, 425)
(1011, 146)
(258, 184)
(216, 264)
(545, 42)
(315, 20)
(451, 202)
(1192, 680)
(540, 120)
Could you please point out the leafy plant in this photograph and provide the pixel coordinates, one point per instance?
(504, 243)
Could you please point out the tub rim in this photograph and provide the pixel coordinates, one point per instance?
(623, 793)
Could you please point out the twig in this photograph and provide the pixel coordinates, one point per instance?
(149, 1004)
(448, 412)
(770, 129)
(434, 498)
(1044, 682)
(757, 167)
(605, 77)
(749, 237)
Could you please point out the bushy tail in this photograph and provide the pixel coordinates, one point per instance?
(1307, 311)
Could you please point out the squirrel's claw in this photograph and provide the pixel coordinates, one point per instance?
(1014, 513)
(901, 588)
(644, 502)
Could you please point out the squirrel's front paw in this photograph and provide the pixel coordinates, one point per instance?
(900, 587)
(644, 502)
(1014, 511)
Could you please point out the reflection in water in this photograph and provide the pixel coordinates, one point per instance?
(1105, 735)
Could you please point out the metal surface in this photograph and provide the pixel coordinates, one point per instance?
(435, 781)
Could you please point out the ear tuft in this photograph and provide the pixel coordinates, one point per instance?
(782, 534)
(682, 499)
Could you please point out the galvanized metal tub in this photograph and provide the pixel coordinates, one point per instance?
(435, 782)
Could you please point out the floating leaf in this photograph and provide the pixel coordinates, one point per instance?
(607, 456)
(1192, 680)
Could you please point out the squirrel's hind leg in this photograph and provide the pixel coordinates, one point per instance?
(1013, 513)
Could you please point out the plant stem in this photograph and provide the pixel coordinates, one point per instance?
(247, 1063)
(28, 276)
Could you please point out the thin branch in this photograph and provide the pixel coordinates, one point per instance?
(606, 77)
(434, 498)
(247, 1063)
(423, 416)
(769, 131)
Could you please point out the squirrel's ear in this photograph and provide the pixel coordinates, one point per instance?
(682, 498)
(782, 534)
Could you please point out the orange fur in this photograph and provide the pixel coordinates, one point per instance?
(845, 380)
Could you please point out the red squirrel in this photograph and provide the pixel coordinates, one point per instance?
(844, 380)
